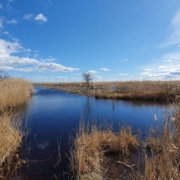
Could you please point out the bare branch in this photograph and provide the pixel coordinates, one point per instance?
(3, 75)
(87, 77)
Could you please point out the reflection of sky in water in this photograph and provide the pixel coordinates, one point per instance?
(53, 113)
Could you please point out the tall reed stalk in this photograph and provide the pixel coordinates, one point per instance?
(13, 92)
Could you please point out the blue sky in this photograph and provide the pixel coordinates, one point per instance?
(57, 40)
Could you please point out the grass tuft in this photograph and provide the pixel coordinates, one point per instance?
(92, 143)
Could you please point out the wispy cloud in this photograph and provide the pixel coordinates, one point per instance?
(50, 2)
(5, 32)
(92, 71)
(9, 8)
(104, 69)
(41, 18)
(97, 77)
(124, 60)
(13, 21)
(1, 23)
(1, 6)
(123, 74)
(174, 37)
(60, 77)
(147, 69)
(166, 67)
(9, 60)
(28, 16)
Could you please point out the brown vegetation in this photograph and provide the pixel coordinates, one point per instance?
(90, 146)
(161, 157)
(136, 90)
(164, 145)
(13, 92)
(11, 136)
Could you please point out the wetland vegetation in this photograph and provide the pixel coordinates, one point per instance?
(13, 92)
(97, 151)
(166, 91)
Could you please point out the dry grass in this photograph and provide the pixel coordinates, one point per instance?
(164, 145)
(90, 145)
(11, 136)
(14, 92)
(143, 90)
(161, 151)
(138, 90)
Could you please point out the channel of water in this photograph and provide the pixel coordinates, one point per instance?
(53, 114)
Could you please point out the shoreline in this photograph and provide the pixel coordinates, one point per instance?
(164, 91)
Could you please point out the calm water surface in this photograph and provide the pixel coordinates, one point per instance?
(52, 114)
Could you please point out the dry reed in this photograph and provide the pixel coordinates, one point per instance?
(90, 146)
(164, 145)
(161, 151)
(11, 136)
(14, 92)
(142, 90)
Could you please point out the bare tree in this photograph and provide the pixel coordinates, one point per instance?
(87, 77)
(3, 75)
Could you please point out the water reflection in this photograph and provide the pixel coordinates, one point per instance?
(52, 113)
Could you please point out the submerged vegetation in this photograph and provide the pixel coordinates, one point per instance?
(129, 90)
(13, 92)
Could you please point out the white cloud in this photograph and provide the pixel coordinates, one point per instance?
(147, 69)
(13, 21)
(124, 60)
(59, 77)
(168, 60)
(9, 60)
(166, 67)
(28, 16)
(104, 69)
(123, 74)
(174, 38)
(1, 6)
(40, 18)
(92, 71)
(49, 59)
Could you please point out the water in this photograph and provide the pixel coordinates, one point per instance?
(53, 114)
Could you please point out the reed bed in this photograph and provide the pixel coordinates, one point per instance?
(142, 90)
(129, 90)
(160, 157)
(14, 92)
(11, 136)
(164, 145)
(92, 143)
